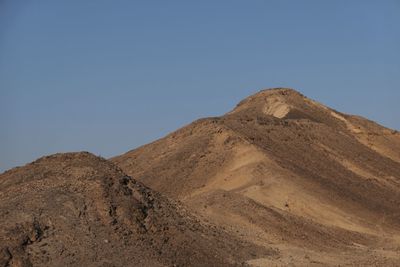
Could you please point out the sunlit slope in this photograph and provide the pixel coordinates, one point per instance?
(283, 169)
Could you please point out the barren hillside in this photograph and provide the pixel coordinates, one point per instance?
(284, 171)
(77, 209)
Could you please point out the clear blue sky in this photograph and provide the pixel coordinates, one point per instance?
(108, 76)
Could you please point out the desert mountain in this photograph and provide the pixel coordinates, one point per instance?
(77, 209)
(283, 171)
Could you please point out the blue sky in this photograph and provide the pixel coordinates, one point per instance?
(108, 76)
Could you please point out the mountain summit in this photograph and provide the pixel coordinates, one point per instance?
(282, 170)
(277, 102)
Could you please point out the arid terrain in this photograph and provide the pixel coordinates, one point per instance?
(283, 171)
(76, 209)
(281, 180)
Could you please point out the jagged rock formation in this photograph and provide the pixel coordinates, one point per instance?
(77, 209)
(282, 170)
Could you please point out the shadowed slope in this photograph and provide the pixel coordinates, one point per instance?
(285, 170)
(77, 209)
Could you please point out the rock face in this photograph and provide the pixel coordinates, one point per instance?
(77, 209)
(281, 170)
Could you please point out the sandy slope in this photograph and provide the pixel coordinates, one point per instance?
(282, 170)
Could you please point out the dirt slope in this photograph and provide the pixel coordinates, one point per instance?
(282, 170)
(77, 209)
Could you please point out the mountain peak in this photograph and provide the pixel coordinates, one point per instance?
(279, 90)
(277, 102)
(281, 164)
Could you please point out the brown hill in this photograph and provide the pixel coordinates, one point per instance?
(77, 209)
(282, 170)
